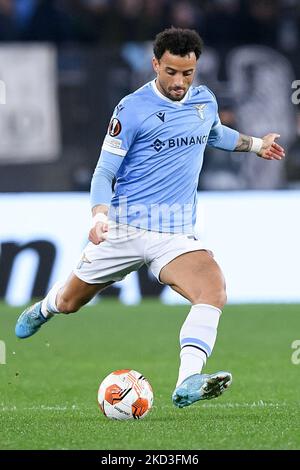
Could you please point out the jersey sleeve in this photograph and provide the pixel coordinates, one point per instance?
(223, 137)
(220, 136)
(122, 129)
(101, 184)
(120, 136)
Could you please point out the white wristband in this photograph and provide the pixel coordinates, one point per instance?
(100, 217)
(256, 144)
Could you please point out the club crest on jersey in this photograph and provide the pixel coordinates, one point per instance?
(114, 127)
(200, 110)
(84, 259)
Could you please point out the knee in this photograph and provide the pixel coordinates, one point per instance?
(221, 298)
(216, 297)
(66, 305)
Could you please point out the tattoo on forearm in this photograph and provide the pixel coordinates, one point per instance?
(244, 143)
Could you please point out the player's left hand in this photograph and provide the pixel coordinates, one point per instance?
(270, 149)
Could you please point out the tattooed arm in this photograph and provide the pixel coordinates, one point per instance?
(244, 143)
(266, 147)
(225, 138)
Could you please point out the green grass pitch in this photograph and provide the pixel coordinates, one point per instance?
(48, 386)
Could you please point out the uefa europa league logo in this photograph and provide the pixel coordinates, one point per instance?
(2, 92)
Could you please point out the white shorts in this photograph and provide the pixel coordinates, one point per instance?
(127, 249)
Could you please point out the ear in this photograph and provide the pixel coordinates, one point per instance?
(155, 64)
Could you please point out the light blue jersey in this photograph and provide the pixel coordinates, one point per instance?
(154, 147)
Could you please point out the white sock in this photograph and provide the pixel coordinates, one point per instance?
(197, 339)
(192, 361)
(49, 307)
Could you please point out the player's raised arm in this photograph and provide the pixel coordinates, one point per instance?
(120, 135)
(265, 148)
(225, 138)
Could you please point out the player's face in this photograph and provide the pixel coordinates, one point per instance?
(175, 74)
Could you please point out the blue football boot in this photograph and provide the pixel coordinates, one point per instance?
(30, 321)
(201, 387)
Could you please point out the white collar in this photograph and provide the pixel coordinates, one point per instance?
(163, 97)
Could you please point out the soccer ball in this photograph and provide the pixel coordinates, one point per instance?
(125, 394)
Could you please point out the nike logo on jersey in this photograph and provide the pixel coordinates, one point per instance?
(161, 116)
(200, 109)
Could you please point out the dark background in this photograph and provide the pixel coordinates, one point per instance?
(104, 52)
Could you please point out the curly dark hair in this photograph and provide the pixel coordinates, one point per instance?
(178, 41)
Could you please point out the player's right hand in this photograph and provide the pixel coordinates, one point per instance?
(98, 233)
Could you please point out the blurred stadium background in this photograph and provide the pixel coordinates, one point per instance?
(65, 64)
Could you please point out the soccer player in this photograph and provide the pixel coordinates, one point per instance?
(154, 148)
